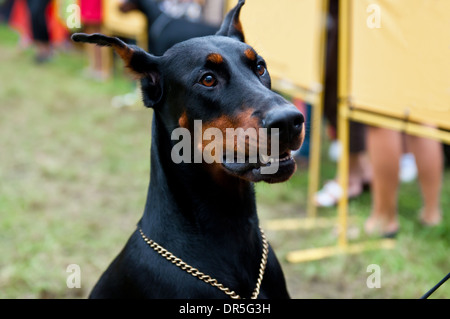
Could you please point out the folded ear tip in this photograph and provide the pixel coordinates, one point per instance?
(79, 37)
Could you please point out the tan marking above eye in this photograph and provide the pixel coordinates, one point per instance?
(250, 54)
(215, 58)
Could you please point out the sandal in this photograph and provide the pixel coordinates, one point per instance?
(375, 229)
(331, 193)
(430, 223)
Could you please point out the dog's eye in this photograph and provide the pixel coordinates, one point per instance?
(261, 69)
(208, 80)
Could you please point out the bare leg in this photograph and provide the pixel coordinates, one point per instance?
(384, 149)
(44, 51)
(95, 55)
(365, 168)
(429, 159)
(360, 173)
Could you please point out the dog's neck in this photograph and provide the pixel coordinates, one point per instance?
(185, 194)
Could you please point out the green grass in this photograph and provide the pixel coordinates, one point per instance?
(419, 259)
(73, 180)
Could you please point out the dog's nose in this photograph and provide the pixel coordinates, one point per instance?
(288, 120)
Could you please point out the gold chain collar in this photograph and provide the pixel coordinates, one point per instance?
(206, 278)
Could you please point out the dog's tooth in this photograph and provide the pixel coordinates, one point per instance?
(286, 158)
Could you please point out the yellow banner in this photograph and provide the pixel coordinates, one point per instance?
(399, 61)
(289, 35)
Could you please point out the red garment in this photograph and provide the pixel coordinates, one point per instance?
(300, 105)
(20, 19)
(56, 28)
(91, 11)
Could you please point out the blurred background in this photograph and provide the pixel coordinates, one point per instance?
(74, 161)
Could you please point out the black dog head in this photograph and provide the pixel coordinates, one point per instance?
(223, 82)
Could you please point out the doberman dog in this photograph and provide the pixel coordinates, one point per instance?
(163, 30)
(202, 216)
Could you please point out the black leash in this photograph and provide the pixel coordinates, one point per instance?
(436, 287)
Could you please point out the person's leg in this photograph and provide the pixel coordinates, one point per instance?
(360, 171)
(95, 69)
(355, 175)
(429, 161)
(39, 29)
(384, 149)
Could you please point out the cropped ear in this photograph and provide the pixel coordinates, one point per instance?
(231, 25)
(142, 64)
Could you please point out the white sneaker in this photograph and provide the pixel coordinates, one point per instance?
(334, 152)
(408, 168)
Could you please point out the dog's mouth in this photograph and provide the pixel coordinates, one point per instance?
(264, 168)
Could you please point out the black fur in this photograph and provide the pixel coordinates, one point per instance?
(211, 223)
(98, 39)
